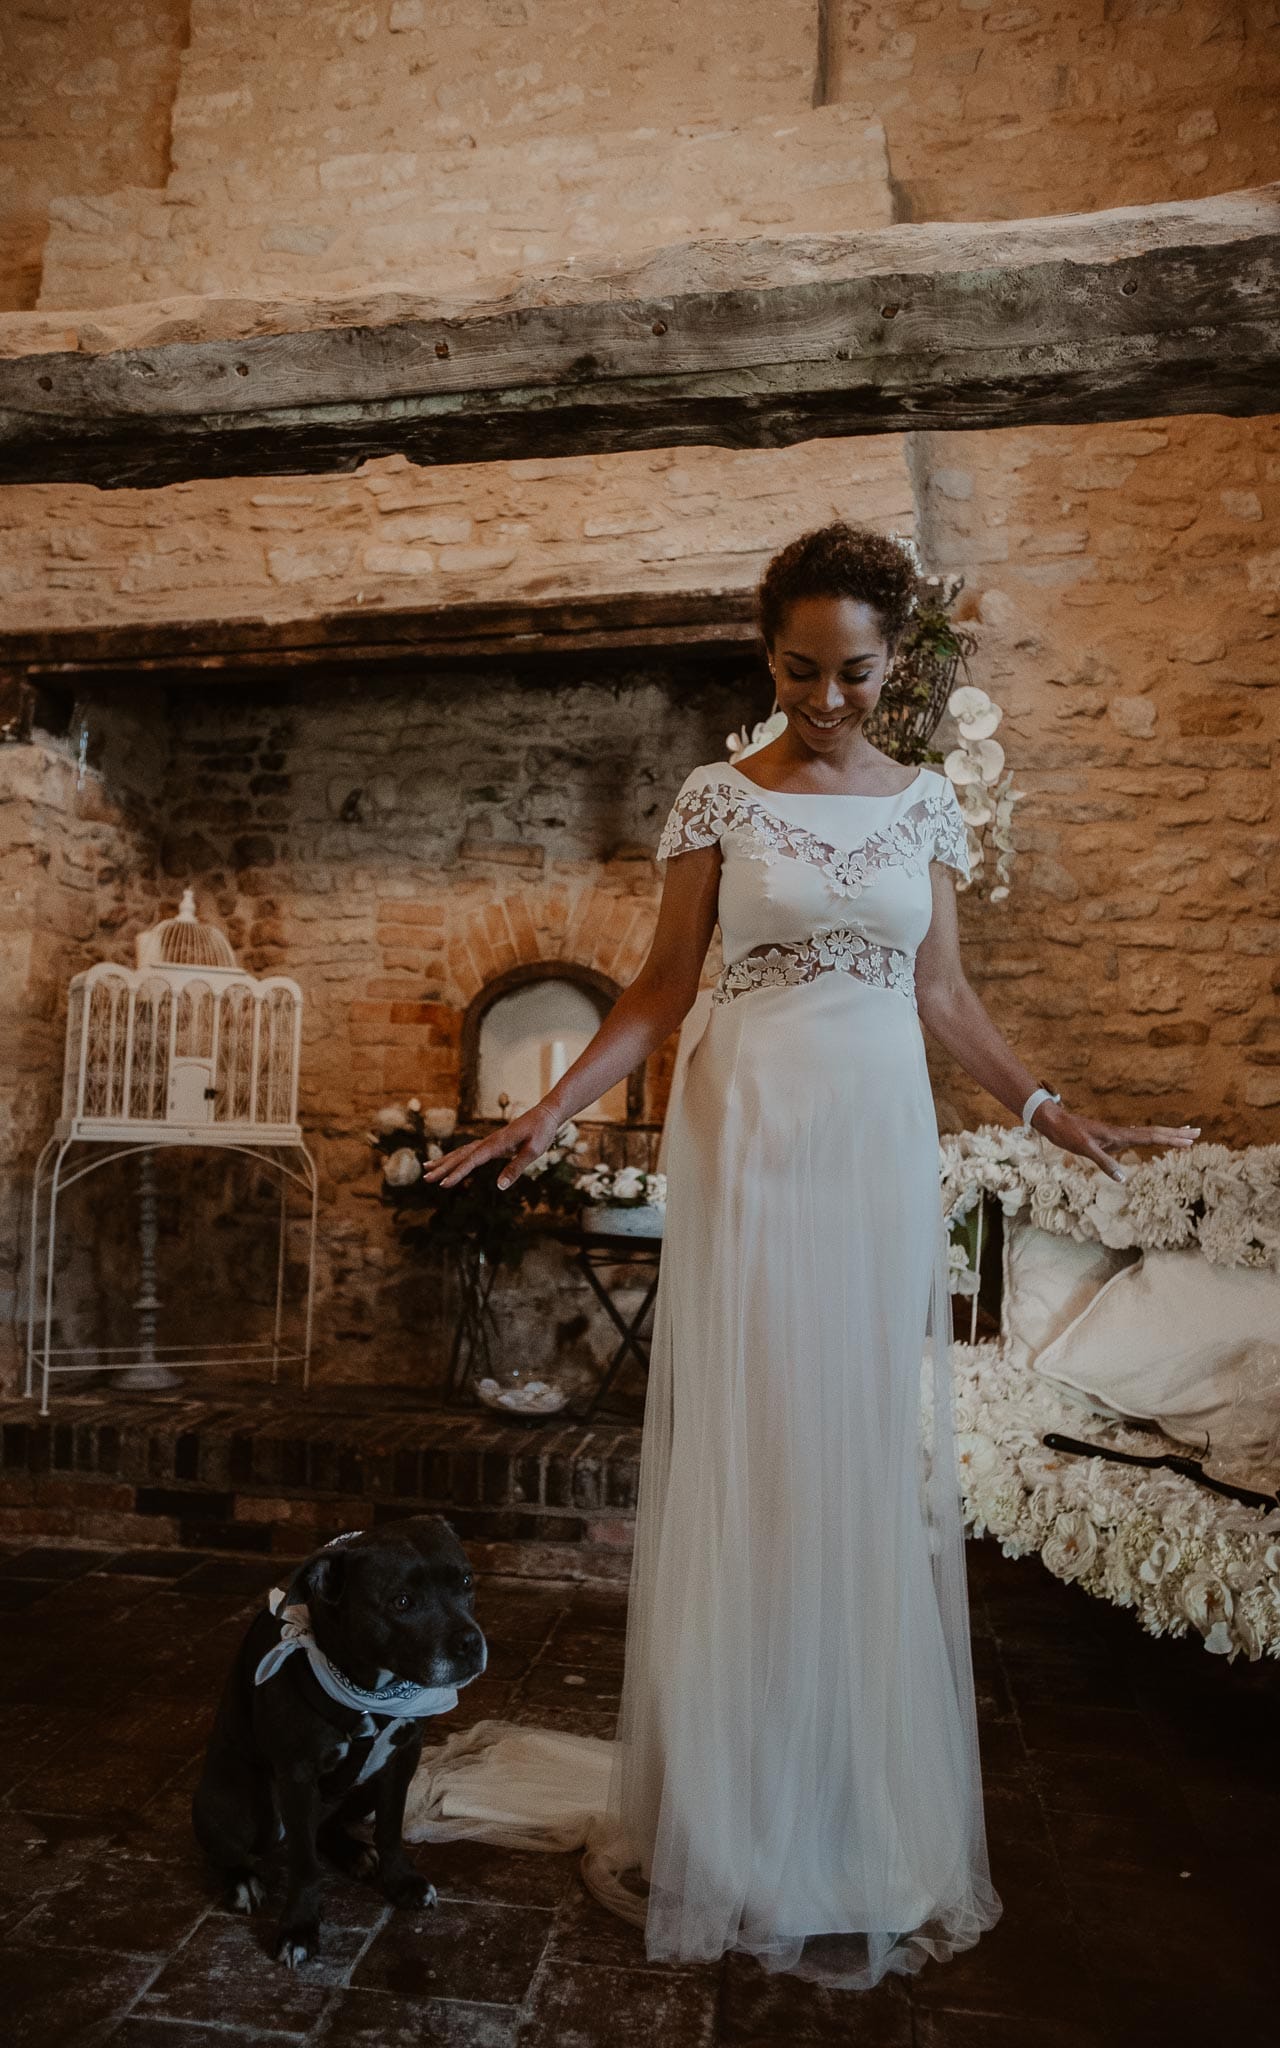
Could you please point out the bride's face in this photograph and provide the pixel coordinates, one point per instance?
(829, 662)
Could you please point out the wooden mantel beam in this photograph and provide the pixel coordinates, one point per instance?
(1125, 314)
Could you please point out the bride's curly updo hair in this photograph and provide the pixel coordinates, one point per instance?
(839, 561)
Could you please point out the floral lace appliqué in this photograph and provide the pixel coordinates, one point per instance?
(929, 829)
(834, 949)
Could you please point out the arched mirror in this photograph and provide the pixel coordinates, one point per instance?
(525, 1028)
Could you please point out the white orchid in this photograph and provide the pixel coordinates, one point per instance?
(739, 744)
(976, 771)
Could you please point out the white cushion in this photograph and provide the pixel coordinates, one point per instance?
(1047, 1282)
(1191, 1346)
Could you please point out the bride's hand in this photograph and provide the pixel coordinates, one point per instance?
(1096, 1140)
(521, 1141)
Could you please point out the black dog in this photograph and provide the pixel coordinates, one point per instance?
(296, 1751)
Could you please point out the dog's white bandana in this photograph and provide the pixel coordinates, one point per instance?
(400, 1697)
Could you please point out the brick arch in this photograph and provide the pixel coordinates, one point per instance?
(583, 924)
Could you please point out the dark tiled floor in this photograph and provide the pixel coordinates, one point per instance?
(1133, 1811)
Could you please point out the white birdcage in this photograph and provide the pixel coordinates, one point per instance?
(184, 1049)
(186, 1039)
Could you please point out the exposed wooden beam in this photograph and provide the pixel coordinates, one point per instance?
(697, 627)
(1085, 317)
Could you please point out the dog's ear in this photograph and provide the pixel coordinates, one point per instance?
(324, 1576)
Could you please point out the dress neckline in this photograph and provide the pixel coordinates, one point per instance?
(826, 796)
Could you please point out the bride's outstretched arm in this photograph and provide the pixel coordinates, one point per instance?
(953, 1012)
(644, 1015)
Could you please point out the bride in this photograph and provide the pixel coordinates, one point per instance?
(795, 1772)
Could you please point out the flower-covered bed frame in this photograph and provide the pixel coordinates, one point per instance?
(1182, 1557)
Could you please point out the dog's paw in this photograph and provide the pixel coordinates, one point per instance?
(407, 1890)
(296, 1945)
(245, 1894)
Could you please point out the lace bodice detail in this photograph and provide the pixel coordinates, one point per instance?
(809, 883)
(931, 828)
(839, 950)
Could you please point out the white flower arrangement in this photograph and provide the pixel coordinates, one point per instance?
(1223, 1200)
(986, 795)
(1144, 1538)
(568, 1146)
(623, 1186)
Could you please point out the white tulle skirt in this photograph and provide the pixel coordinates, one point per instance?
(795, 1772)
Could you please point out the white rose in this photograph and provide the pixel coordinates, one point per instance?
(394, 1117)
(402, 1169)
(976, 1456)
(628, 1183)
(440, 1123)
(1205, 1600)
(1071, 1546)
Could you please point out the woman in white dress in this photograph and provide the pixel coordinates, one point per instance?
(796, 1770)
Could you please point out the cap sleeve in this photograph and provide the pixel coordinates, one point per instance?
(951, 834)
(697, 817)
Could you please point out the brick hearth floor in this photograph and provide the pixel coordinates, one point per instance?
(1132, 1809)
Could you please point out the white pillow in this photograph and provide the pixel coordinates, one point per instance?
(1047, 1281)
(1189, 1345)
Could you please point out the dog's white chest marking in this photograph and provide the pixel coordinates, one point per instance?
(381, 1750)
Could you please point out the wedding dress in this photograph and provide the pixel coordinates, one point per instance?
(795, 1772)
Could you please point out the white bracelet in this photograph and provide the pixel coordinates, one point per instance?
(1032, 1104)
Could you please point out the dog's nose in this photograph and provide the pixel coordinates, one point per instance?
(468, 1646)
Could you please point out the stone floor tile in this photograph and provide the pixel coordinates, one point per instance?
(1154, 1847)
(581, 2005)
(54, 1997)
(469, 1949)
(594, 1649)
(506, 1877)
(372, 2019)
(140, 2030)
(578, 1686)
(756, 2006)
(1028, 1966)
(1102, 1783)
(117, 1901)
(226, 1976)
(1072, 1730)
(30, 1735)
(245, 1575)
(52, 1561)
(584, 1931)
(942, 2029)
(156, 1564)
(520, 1610)
(91, 1778)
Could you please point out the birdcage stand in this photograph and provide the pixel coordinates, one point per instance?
(68, 1158)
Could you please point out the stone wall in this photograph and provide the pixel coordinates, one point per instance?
(392, 849)
(78, 869)
(88, 97)
(1123, 581)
